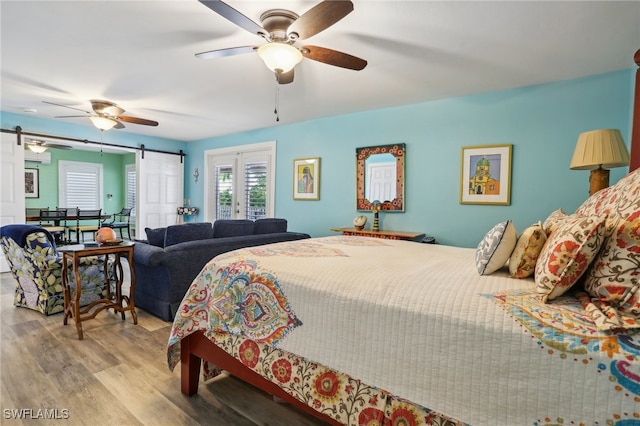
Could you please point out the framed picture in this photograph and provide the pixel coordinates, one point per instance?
(485, 176)
(306, 179)
(31, 183)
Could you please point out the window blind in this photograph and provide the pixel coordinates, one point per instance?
(131, 190)
(255, 192)
(224, 191)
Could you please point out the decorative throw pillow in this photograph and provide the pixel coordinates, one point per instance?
(614, 277)
(529, 246)
(553, 220)
(567, 254)
(155, 236)
(496, 247)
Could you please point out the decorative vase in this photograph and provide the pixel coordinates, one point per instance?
(359, 222)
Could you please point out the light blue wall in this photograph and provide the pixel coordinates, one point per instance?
(542, 122)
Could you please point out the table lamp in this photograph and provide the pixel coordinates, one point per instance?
(596, 150)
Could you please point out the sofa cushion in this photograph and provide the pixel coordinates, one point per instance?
(270, 226)
(177, 234)
(232, 228)
(155, 237)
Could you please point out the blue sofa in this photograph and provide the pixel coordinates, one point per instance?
(172, 257)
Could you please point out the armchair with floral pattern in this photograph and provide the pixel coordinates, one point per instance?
(36, 265)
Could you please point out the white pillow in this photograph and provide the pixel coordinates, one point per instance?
(496, 247)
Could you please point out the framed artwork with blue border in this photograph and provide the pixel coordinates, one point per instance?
(485, 176)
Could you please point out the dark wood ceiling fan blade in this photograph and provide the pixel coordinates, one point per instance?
(285, 77)
(119, 125)
(229, 13)
(333, 57)
(320, 17)
(136, 120)
(230, 51)
(66, 106)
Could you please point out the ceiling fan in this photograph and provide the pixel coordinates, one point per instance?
(282, 28)
(106, 115)
(39, 146)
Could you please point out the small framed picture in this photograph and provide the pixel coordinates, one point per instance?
(31, 183)
(485, 176)
(306, 179)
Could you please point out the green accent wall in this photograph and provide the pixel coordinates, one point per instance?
(113, 177)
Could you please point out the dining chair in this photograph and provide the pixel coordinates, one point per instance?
(120, 221)
(87, 221)
(54, 221)
(32, 214)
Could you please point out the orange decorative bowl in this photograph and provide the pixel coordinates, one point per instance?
(105, 234)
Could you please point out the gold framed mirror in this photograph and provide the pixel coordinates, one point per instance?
(380, 176)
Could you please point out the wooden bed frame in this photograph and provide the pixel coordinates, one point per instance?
(197, 347)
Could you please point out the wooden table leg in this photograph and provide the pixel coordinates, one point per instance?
(76, 299)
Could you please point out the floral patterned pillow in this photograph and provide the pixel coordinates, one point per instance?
(553, 220)
(567, 254)
(495, 248)
(529, 246)
(613, 280)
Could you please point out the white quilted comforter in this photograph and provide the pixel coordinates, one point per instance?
(420, 322)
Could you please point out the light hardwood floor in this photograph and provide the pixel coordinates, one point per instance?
(117, 375)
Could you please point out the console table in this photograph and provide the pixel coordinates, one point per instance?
(388, 235)
(72, 254)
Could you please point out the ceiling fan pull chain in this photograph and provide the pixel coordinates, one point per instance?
(277, 101)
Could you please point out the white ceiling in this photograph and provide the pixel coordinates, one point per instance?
(140, 54)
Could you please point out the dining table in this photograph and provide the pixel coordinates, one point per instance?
(69, 217)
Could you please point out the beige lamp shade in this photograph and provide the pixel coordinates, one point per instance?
(603, 148)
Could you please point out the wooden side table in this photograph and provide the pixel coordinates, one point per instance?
(388, 235)
(72, 307)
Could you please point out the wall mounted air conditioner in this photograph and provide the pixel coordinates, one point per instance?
(32, 157)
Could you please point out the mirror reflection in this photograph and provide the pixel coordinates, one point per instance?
(380, 177)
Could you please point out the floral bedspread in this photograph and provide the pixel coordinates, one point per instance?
(353, 321)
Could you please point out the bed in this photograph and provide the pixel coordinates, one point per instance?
(368, 331)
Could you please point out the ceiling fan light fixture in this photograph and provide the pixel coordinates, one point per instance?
(279, 57)
(103, 123)
(38, 149)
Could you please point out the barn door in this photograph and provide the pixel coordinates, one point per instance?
(12, 205)
(160, 190)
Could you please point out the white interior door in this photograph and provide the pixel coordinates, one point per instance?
(160, 190)
(12, 205)
(381, 182)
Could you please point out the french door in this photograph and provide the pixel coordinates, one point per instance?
(240, 182)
